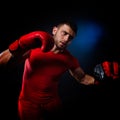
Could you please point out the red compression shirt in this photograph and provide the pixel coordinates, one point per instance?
(42, 71)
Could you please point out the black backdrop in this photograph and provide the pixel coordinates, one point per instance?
(80, 101)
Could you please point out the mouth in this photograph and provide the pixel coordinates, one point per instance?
(63, 44)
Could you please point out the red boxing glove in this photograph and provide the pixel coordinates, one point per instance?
(32, 40)
(106, 70)
(111, 69)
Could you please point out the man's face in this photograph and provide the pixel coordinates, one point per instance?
(63, 36)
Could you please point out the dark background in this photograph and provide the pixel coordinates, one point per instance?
(80, 101)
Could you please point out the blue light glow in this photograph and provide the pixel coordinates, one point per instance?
(89, 34)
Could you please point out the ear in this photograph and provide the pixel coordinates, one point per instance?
(54, 30)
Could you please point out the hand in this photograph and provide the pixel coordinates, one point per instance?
(32, 40)
(106, 70)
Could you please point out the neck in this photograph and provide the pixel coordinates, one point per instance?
(57, 50)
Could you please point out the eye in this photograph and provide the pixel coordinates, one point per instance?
(64, 33)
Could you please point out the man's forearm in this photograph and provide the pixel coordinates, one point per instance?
(5, 56)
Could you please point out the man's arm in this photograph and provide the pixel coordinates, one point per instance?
(19, 50)
(5, 56)
(101, 73)
(81, 77)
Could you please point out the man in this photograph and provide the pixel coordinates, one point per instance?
(46, 59)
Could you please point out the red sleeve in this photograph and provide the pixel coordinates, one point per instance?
(74, 63)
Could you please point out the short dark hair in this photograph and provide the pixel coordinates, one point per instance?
(71, 23)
